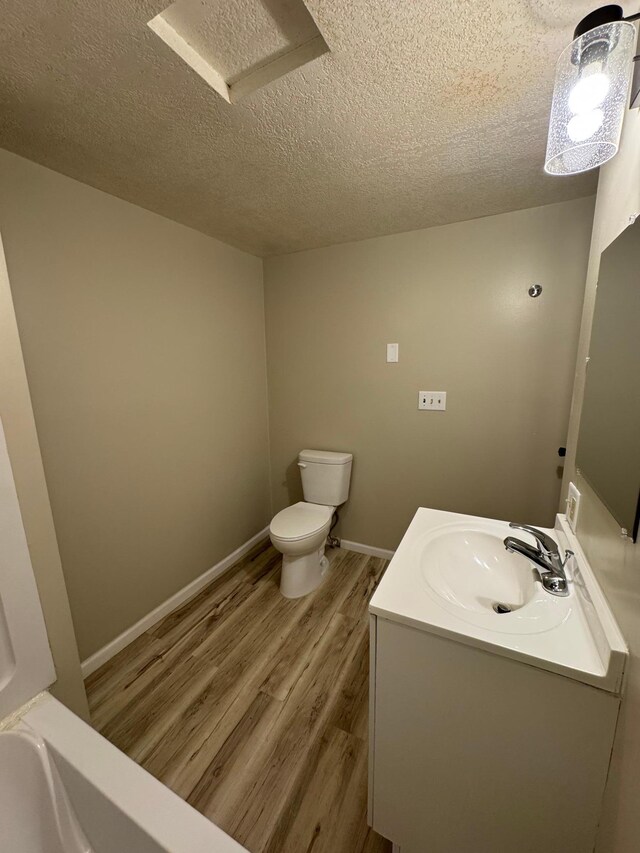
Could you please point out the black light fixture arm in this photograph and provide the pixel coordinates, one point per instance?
(607, 15)
(603, 15)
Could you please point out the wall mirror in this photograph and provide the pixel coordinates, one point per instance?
(608, 453)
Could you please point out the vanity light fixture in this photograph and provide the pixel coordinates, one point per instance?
(591, 91)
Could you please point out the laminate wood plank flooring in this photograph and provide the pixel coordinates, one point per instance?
(253, 707)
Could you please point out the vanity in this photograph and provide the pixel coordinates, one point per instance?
(493, 702)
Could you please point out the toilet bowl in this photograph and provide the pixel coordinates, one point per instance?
(300, 531)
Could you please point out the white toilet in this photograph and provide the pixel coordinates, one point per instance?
(299, 532)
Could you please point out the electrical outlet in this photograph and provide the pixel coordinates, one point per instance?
(573, 506)
(435, 401)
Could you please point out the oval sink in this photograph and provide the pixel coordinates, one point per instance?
(470, 573)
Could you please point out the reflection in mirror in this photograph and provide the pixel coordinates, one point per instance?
(608, 453)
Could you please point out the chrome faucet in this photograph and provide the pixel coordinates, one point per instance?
(550, 566)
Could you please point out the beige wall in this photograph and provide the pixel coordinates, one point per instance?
(615, 560)
(26, 462)
(455, 299)
(144, 349)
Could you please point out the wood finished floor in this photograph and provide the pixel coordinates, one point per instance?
(253, 707)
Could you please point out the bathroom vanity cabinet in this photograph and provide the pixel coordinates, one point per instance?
(476, 744)
(476, 753)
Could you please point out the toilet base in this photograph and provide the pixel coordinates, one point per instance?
(302, 574)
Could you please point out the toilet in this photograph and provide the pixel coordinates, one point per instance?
(299, 532)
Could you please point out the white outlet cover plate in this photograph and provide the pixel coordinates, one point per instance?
(573, 506)
(392, 352)
(433, 401)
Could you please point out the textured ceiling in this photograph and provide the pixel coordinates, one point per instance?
(418, 116)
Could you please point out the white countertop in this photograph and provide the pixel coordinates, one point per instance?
(579, 637)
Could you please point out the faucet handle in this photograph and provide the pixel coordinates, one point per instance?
(547, 545)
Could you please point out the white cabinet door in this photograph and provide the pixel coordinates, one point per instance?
(476, 753)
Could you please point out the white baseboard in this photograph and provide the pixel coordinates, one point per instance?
(366, 549)
(116, 645)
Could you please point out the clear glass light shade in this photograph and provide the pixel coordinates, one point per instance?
(590, 99)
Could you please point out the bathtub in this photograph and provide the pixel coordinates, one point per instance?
(65, 789)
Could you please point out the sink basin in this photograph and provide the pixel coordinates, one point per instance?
(452, 576)
(468, 571)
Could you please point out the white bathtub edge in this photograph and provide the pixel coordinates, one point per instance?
(167, 819)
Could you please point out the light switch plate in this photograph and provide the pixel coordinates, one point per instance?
(392, 352)
(434, 401)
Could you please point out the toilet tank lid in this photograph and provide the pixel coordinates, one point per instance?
(325, 457)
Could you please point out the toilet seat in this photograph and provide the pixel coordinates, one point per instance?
(300, 521)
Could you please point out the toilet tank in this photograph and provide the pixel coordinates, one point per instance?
(325, 476)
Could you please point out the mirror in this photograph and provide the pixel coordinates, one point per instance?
(608, 453)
